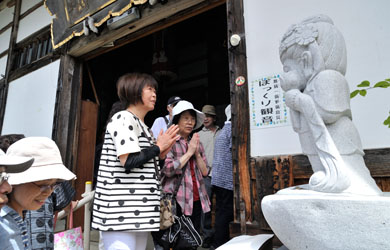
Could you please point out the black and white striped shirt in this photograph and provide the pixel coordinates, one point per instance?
(126, 202)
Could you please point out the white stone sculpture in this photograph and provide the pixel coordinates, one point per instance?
(341, 207)
(314, 58)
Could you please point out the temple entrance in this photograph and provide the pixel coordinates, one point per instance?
(188, 59)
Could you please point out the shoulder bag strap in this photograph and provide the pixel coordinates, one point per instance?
(166, 120)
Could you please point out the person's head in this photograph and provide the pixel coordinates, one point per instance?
(310, 47)
(172, 101)
(10, 164)
(211, 116)
(137, 88)
(8, 140)
(32, 187)
(187, 118)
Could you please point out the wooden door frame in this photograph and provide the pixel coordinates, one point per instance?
(240, 113)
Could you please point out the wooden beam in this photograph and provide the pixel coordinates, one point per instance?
(9, 25)
(28, 68)
(149, 16)
(162, 24)
(2, 30)
(10, 59)
(29, 11)
(240, 105)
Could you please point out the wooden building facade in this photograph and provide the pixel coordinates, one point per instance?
(206, 69)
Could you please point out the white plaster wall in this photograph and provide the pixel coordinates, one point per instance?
(4, 40)
(3, 65)
(6, 16)
(30, 103)
(27, 4)
(33, 22)
(366, 29)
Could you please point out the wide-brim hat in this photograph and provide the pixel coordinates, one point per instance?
(47, 161)
(185, 105)
(209, 110)
(14, 164)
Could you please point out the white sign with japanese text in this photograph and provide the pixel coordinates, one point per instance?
(268, 106)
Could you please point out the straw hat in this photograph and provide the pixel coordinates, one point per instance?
(47, 161)
(14, 164)
(185, 105)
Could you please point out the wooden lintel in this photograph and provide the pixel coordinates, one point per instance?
(162, 24)
(149, 16)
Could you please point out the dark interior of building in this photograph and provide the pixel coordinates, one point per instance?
(195, 67)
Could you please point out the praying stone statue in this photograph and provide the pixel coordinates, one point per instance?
(342, 207)
(314, 58)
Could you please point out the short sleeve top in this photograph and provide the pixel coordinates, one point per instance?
(126, 201)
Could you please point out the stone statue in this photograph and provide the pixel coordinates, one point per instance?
(342, 207)
(314, 58)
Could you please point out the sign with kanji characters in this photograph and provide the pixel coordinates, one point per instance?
(68, 15)
(267, 102)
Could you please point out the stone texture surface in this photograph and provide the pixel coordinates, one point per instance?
(310, 220)
(313, 54)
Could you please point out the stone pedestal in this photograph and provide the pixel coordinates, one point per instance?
(305, 219)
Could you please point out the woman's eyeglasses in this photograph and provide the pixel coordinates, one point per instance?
(47, 187)
(3, 177)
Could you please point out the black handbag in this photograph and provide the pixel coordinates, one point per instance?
(187, 237)
(181, 235)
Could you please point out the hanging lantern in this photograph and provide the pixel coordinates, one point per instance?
(160, 65)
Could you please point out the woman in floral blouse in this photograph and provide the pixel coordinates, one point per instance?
(187, 153)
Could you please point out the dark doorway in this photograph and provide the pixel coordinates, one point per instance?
(196, 68)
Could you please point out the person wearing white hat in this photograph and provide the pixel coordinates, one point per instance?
(30, 188)
(187, 153)
(10, 164)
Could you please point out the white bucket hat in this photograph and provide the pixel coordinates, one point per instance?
(185, 105)
(14, 164)
(47, 161)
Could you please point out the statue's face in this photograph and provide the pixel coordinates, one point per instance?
(293, 76)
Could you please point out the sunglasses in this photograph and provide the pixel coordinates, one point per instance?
(3, 177)
(44, 188)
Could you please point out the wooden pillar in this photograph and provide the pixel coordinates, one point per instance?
(85, 153)
(240, 108)
(12, 43)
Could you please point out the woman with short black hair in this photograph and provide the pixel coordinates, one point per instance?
(127, 197)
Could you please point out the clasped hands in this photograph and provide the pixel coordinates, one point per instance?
(165, 140)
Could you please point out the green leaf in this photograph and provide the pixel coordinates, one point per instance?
(387, 121)
(354, 93)
(382, 84)
(364, 84)
(363, 92)
(387, 80)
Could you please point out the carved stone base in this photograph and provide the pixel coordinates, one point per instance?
(305, 219)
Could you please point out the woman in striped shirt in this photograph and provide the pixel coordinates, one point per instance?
(127, 197)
